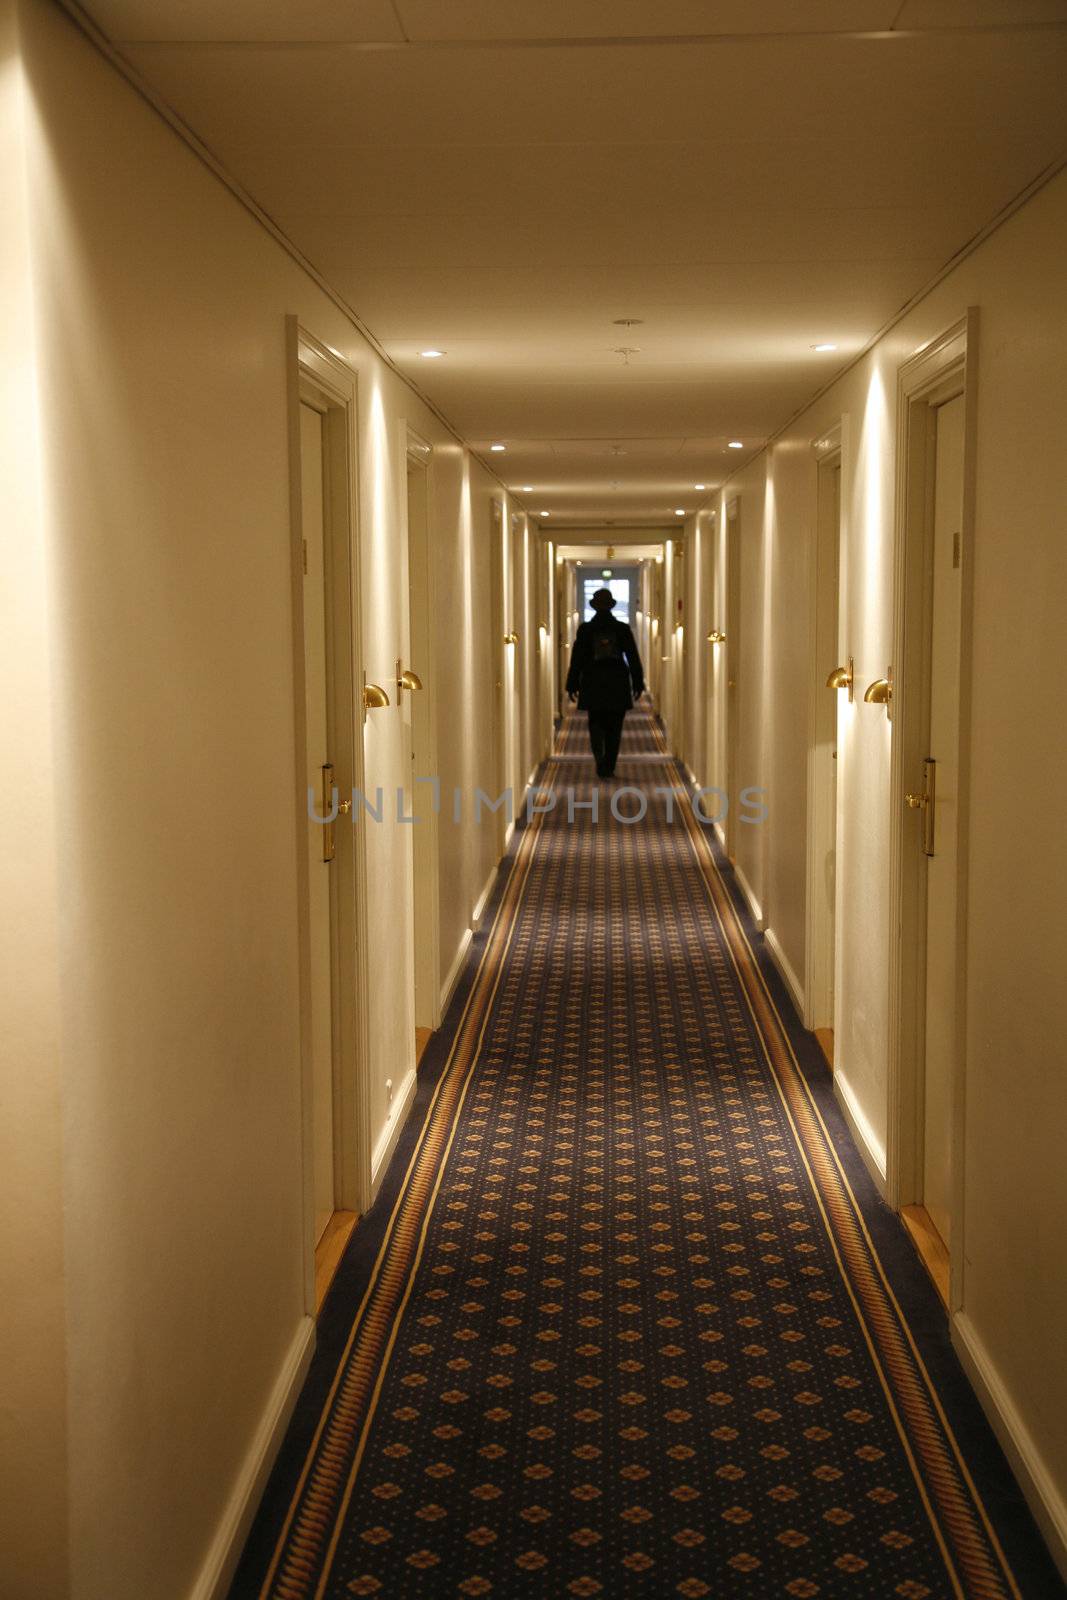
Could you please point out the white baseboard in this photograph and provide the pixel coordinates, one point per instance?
(753, 904)
(869, 1146)
(215, 1576)
(452, 977)
(483, 899)
(386, 1144)
(1035, 1480)
(789, 977)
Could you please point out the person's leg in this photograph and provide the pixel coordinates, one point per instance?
(612, 739)
(596, 738)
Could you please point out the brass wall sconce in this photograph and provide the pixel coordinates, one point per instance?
(374, 696)
(843, 678)
(405, 678)
(716, 636)
(880, 693)
(511, 638)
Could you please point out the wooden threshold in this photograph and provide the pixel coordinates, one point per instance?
(329, 1250)
(825, 1036)
(930, 1245)
(422, 1039)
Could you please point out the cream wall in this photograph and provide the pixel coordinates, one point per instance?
(1013, 1269)
(164, 619)
(466, 694)
(33, 1421)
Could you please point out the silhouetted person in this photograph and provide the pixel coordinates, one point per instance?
(605, 677)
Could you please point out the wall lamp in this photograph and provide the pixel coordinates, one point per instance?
(716, 636)
(405, 678)
(511, 638)
(374, 696)
(880, 693)
(843, 678)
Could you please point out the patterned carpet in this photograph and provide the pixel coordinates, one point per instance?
(622, 1322)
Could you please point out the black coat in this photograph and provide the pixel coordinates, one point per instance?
(605, 670)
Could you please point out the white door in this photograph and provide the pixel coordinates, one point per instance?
(679, 732)
(829, 881)
(312, 466)
(423, 759)
(941, 867)
(732, 649)
(502, 668)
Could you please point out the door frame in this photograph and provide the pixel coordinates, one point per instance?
(829, 451)
(310, 364)
(946, 366)
(418, 458)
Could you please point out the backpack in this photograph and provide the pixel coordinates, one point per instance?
(606, 645)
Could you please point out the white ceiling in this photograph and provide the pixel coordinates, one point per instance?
(502, 179)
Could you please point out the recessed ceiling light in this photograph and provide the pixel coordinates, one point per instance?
(735, 444)
(527, 488)
(498, 447)
(821, 347)
(700, 486)
(431, 355)
(680, 511)
(544, 513)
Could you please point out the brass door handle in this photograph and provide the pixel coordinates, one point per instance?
(327, 810)
(924, 801)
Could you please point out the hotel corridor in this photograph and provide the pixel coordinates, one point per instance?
(426, 1171)
(628, 1318)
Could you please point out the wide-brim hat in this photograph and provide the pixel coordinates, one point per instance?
(602, 597)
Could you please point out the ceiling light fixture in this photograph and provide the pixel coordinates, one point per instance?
(527, 488)
(823, 347)
(735, 444)
(700, 486)
(628, 322)
(431, 355)
(679, 511)
(544, 513)
(498, 447)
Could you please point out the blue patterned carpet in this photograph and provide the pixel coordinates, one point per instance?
(628, 1318)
